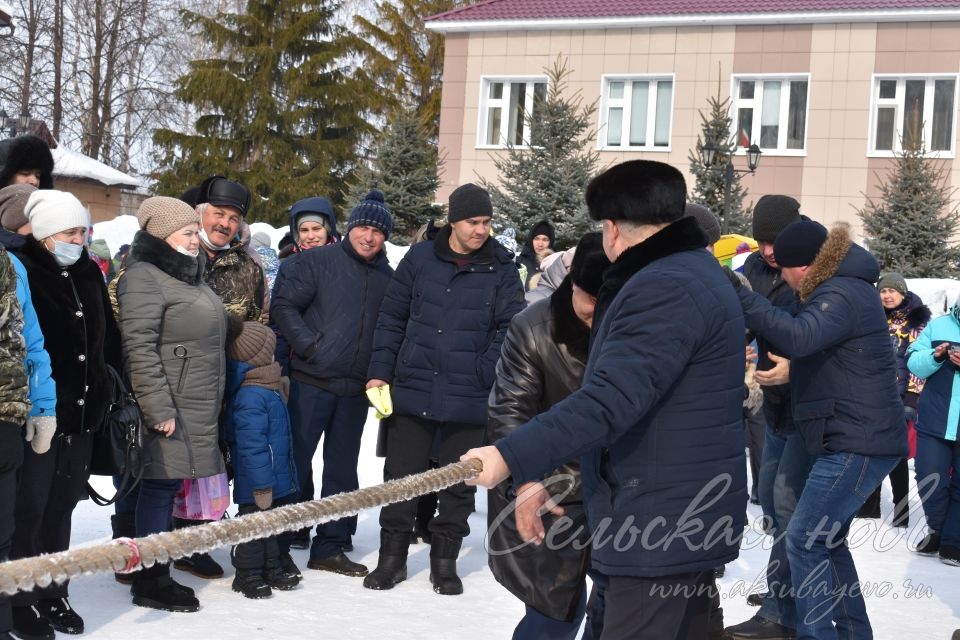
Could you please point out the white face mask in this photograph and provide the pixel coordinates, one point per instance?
(66, 253)
(205, 239)
(184, 251)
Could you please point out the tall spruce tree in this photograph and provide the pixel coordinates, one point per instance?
(708, 188)
(547, 180)
(405, 168)
(909, 230)
(278, 108)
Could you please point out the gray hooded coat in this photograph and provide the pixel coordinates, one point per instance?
(174, 330)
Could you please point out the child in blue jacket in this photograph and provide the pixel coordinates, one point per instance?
(258, 430)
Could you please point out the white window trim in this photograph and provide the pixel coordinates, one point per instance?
(605, 79)
(784, 111)
(927, 113)
(485, 81)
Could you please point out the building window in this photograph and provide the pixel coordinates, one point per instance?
(771, 112)
(902, 103)
(506, 106)
(636, 113)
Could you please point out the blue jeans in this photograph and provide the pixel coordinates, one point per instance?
(155, 505)
(536, 626)
(939, 492)
(339, 420)
(783, 474)
(825, 582)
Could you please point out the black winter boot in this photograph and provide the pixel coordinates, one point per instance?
(426, 510)
(201, 565)
(61, 615)
(251, 583)
(392, 566)
(124, 526)
(154, 588)
(443, 565)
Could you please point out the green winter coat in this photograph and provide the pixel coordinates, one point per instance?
(14, 405)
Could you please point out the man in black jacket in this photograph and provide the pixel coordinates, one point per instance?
(325, 305)
(785, 462)
(438, 340)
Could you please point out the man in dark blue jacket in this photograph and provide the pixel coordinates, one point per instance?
(437, 343)
(325, 304)
(658, 420)
(845, 406)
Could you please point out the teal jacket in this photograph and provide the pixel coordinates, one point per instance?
(939, 410)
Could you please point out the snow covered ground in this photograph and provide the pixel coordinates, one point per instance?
(910, 596)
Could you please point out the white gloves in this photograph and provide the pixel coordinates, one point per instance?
(40, 432)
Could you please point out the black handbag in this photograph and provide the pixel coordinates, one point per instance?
(118, 445)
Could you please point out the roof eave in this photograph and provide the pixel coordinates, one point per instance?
(674, 20)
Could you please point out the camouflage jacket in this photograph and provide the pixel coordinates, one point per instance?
(14, 405)
(237, 280)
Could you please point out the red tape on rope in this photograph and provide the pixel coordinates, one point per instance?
(133, 564)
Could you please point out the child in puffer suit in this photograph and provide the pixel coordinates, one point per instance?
(258, 430)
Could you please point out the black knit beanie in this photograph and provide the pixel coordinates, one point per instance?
(589, 263)
(772, 214)
(799, 243)
(705, 219)
(469, 201)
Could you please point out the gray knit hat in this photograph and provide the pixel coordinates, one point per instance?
(893, 280)
(255, 345)
(160, 216)
(13, 201)
(705, 219)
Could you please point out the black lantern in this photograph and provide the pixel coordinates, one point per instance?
(753, 157)
(23, 122)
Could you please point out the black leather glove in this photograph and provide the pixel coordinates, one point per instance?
(733, 278)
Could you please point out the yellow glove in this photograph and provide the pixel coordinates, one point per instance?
(379, 398)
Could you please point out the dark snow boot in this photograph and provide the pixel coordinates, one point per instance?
(930, 545)
(61, 615)
(392, 566)
(443, 565)
(289, 566)
(277, 577)
(154, 588)
(201, 565)
(124, 526)
(251, 583)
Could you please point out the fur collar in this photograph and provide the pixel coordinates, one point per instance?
(912, 311)
(146, 248)
(825, 265)
(567, 327)
(682, 235)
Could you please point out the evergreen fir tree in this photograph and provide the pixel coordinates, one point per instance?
(910, 228)
(709, 181)
(405, 168)
(278, 109)
(548, 180)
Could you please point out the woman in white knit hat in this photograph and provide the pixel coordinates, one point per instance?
(81, 337)
(174, 335)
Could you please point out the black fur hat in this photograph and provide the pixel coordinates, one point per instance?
(25, 152)
(639, 191)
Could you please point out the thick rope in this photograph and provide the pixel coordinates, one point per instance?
(125, 555)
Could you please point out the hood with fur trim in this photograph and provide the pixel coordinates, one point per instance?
(838, 256)
(26, 152)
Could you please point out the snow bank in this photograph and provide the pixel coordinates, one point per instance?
(937, 293)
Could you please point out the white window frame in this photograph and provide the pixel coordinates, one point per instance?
(756, 103)
(486, 103)
(606, 103)
(876, 102)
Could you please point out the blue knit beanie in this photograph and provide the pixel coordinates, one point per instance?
(372, 211)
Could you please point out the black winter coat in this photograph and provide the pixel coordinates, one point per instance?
(325, 304)
(659, 417)
(842, 372)
(769, 283)
(79, 331)
(441, 327)
(537, 369)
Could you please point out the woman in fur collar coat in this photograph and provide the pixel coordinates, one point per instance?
(174, 333)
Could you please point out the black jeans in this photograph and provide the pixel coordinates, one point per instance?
(255, 555)
(48, 489)
(12, 458)
(409, 447)
(662, 608)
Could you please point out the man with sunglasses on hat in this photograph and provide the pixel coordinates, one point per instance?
(232, 273)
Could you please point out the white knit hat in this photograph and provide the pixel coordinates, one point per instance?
(51, 211)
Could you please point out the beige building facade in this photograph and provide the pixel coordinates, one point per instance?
(827, 101)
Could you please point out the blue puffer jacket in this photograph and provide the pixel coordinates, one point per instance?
(261, 444)
(43, 390)
(659, 418)
(325, 305)
(843, 377)
(440, 329)
(939, 411)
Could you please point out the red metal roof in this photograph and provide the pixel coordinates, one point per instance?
(553, 9)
